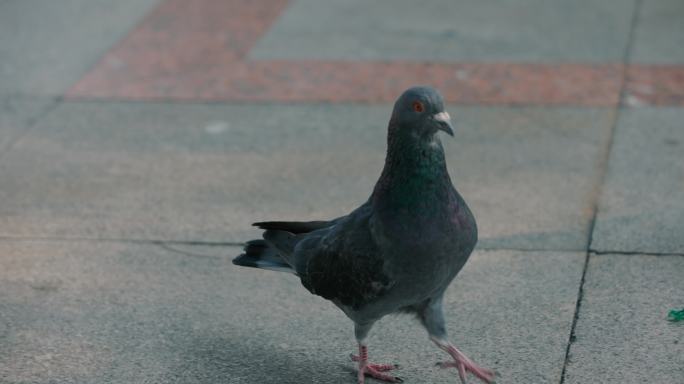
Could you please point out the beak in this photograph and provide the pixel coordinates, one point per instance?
(444, 122)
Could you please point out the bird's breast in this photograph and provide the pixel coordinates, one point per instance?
(429, 237)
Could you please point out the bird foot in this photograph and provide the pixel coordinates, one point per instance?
(375, 371)
(464, 365)
(377, 367)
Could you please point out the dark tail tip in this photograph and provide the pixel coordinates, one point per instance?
(258, 254)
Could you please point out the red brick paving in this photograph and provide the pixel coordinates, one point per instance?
(655, 85)
(197, 51)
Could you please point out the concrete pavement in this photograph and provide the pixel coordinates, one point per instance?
(138, 140)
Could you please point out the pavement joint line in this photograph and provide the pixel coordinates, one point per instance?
(202, 243)
(30, 95)
(601, 182)
(99, 59)
(519, 249)
(634, 253)
(31, 122)
(124, 240)
(185, 253)
(638, 5)
(575, 318)
(210, 102)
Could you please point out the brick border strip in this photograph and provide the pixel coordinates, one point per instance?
(197, 51)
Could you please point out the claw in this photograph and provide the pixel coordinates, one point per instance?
(376, 367)
(381, 376)
(461, 372)
(463, 364)
(373, 370)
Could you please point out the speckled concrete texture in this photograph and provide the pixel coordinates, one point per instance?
(642, 203)
(229, 50)
(17, 114)
(203, 173)
(622, 334)
(139, 140)
(473, 30)
(659, 33)
(198, 50)
(47, 45)
(91, 312)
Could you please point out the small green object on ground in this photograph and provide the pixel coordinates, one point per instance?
(676, 315)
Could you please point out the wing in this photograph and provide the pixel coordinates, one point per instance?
(342, 262)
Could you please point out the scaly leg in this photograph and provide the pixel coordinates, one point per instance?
(365, 368)
(432, 317)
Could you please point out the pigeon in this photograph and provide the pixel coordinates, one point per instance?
(396, 253)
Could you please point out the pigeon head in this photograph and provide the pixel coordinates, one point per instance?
(420, 111)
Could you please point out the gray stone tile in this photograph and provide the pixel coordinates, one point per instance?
(187, 172)
(622, 335)
(659, 33)
(530, 174)
(92, 312)
(205, 172)
(642, 204)
(490, 30)
(46, 46)
(16, 114)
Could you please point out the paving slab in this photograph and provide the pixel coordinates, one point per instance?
(17, 113)
(642, 204)
(659, 33)
(198, 50)
(187, 172)
(205, 172)
(92, 312)
(45, 46)
(622, 333)
(483, 30)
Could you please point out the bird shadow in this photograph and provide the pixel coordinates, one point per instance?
(211, 358)
(548, 240)
(654, 231)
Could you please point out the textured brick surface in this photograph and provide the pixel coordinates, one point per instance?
(655, 85)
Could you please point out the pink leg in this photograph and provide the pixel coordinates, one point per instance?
(373, 370)
(463, 364)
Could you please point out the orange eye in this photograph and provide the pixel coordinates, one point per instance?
(418, 106)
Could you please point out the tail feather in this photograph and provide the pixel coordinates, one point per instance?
(259, 254)
(283, 241)
(275, 251)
